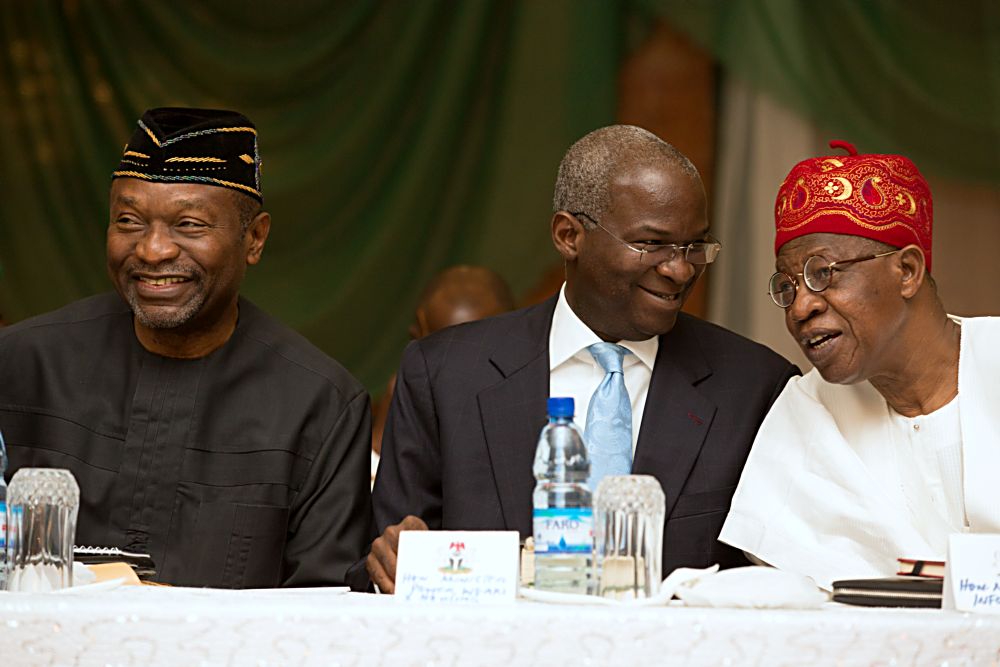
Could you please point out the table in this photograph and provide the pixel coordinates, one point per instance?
(144, 625)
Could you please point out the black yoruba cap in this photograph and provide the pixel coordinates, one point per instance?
(208, 146)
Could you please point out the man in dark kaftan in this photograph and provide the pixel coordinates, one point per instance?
(201, 431)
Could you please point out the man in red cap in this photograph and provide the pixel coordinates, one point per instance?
(889, 444)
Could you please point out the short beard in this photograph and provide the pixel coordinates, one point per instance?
(167, 320)
(170, 319)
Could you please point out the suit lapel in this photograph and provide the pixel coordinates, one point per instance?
(513, 411)
(677, 417)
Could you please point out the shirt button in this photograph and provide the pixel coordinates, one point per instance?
(916, 427)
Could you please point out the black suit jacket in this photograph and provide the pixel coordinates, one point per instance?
(470, 402)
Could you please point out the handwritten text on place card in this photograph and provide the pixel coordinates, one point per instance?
(457, 566)
(973, 572)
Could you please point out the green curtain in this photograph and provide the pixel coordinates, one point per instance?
(920, 77)
(397, 138)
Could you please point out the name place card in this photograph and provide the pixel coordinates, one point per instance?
(972, 573)
(457, 566)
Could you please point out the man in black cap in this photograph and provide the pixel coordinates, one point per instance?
(200, 430)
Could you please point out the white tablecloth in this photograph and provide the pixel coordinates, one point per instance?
(140, 626)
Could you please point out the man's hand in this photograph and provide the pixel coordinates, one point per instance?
(381, 562)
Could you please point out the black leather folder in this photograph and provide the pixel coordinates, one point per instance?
(890, 592)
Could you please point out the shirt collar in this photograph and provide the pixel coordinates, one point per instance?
(568, 335)
(644, 350)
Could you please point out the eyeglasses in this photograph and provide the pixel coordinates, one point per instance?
(696, 252)
(817, 274)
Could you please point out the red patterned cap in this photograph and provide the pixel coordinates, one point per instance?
(880, 197)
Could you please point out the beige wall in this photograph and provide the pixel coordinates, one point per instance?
(967, 246)
(744, 143)
(668, 86)
(759, 141)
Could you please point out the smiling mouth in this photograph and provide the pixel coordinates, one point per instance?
(663, 295)
(158, 282)
(819, 341)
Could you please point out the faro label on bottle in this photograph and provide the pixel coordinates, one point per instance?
(3, 529)
(564, 531)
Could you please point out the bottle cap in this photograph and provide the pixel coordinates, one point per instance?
(560, 406)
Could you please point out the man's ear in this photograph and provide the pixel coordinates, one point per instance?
(418, 328)
(567, 234)
(913, 270)
(256, 234)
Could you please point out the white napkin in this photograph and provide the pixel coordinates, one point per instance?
(677, 578)
(753, 588)
(82, 575)
(744, 587)
(45, 578)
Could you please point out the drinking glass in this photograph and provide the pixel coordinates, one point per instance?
(42, 505)
(628, 536)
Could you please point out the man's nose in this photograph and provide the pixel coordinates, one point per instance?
(806, 303)
(156, 245)
(677, 268)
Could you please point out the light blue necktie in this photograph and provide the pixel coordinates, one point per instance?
(609, 417)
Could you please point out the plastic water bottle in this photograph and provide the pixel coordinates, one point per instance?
(3, 515)
(563, 508)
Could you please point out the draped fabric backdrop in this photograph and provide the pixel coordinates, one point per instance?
(399, 137)
(920, 77)
(760, 139)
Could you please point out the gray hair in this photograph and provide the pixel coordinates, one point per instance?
(589, 166)
(247, 209)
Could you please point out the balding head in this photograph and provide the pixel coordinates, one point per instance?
(460, 294)
(592, 163)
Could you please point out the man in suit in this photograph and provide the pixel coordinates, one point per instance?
(630, 220)
(458, 294)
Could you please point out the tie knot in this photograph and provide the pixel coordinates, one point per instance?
(609, 356)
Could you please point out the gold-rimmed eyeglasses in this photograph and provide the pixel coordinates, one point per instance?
(817, 274)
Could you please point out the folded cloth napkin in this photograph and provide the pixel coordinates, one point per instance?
(677, 578)
(752, 587)
(83, 575)
(743, 587)
(40, 578)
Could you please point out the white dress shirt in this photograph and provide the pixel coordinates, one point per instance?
(375, 460)
(574, 372)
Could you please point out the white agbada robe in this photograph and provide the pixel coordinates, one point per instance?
(823, 492)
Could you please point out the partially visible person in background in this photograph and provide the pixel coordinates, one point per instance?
(456, 295)
(460, 294)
